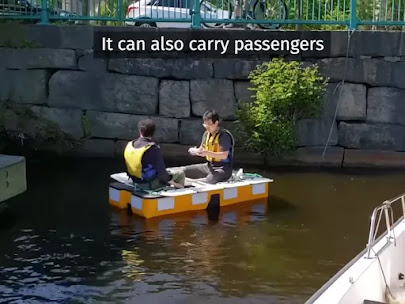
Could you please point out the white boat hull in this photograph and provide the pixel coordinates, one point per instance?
(365, 279)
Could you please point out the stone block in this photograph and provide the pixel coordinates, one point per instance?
(31, 58)
(378, 72)
(375, 43)
(181, 68)
(352, 105)
(47, 36)
(402, 45)
(191, 131)
(398, 75)
(104, 92)
(335, 69)
(234, 68)
(329, 102)
(372, 158)
(386, 105)
(338, 45)
(68, 120)
(167, 130)
(242, 92)
(215, 94)
(315, 132)
(88, 63)
(243, 159)
(125, 126)
(309, 156)
(174, 98)
(119, 148)
(24, 86)
(392, 59)
(176, 154)
(371, 137)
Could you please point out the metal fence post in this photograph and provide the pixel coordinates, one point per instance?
(119, 11)
(44, 12)
(196, 16)
(353, 15)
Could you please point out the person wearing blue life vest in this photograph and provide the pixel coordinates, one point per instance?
(217, 146)
(144, 161)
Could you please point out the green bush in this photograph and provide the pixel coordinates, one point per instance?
(285, 92)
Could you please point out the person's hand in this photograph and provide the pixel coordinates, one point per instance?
(202, 153)
(194, 150)
(176, 185)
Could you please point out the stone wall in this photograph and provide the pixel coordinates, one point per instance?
(101, 101)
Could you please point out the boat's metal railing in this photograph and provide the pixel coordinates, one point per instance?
(386, 208)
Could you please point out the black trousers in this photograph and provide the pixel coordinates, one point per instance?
(212, 173)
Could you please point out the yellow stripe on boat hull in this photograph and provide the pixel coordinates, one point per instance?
(199, 200)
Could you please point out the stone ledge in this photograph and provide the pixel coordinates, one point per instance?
(24, 86)
(382, 137)
(373, 158)
(47, 36)
(181, 68)
(315, 132)
(104, 92)
(125, 126)
(38, 58)
(89, 148)
(310, 156)
(179, 153)
(97, 148)
(119, 148)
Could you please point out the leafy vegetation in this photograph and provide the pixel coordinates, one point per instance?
(285, 92)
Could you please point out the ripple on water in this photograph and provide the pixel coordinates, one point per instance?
(180, 259)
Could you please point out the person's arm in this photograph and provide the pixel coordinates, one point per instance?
(160, 166)
(218, 155)
(225, 142)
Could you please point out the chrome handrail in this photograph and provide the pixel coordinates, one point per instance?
(384, 207)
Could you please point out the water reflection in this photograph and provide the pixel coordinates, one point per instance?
(192, 248)
(65, 244)
(187, 244)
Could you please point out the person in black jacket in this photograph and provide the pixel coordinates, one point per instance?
(144, 161)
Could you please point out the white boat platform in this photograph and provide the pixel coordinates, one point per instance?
(197, 195)
(13, 179)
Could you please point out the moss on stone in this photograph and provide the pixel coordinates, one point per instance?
(25, 44)
(86, 126)
(20, 125)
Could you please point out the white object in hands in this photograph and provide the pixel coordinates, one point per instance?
(193, 151)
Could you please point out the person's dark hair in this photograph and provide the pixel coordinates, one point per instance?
(211, 114)
(147, 127)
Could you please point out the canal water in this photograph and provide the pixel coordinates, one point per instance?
(60, 242)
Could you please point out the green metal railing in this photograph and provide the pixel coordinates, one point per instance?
(320, 14)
